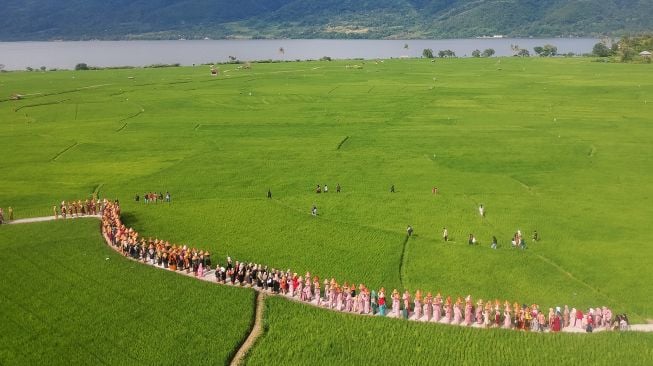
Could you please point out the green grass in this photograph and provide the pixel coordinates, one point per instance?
(302, 335)
(68, 298)
(561, 146)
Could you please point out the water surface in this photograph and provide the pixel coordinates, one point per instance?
(19, 55)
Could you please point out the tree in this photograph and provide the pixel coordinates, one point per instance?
(427, 53)
(43, 68)
(2, 67)
(405, 46)
(476, 53)
(626, 53)
(81, 66)
(488, 52)
(546, 51)
(446, 53)
(28, 68)
(523, 53)
(601, 50)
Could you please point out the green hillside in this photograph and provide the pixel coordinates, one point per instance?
(165, 19)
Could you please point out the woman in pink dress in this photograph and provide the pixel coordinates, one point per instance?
(200, 271)
(339, 298)
(598, 315)
(437, 308)
(332, 295)
(417, 305)
(479, 312)
(406, 298)
(486, 313)
(299, 290)
(607, 317)
(366, 301)
(395, 303)
(316, 290)
(457, 311)
(507, 320)
(447, 310)
(349, 300)
(428, 306)
(307, 290)
(468, 310)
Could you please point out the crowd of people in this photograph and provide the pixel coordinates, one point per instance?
(325, 189)
(78, 208)
(153, 197)
(350, 297)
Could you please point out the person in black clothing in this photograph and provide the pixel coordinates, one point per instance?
(269, 193)
(338, 188)
(392, 189)
(409, 230)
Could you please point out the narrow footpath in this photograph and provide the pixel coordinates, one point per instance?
(257, 329)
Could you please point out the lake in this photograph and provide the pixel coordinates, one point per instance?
(65, 55)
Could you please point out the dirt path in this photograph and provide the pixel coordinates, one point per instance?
(257, 329)
(261, 294)
(48, 218)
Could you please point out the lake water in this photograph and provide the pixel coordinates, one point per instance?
(19, 55)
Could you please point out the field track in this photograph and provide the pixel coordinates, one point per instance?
(260, 301)
(257, 330)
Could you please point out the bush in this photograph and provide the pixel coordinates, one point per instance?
(81, 66)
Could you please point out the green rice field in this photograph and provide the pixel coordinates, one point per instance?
(67, 298)
(561, 146)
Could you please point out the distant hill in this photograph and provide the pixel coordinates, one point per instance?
(196, 19)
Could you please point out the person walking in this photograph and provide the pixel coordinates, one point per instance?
(11, 213)
(445, 234)
(392, 189)
(269, 193)
(409, 230)
(338, 188)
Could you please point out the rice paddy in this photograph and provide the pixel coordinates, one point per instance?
(561, 146)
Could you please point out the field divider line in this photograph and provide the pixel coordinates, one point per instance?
(40, 104)
(64, 151)
(122, 127)
(256, 331)
(585, 284)
(401, 261)
(315, 303)
(40, 95)
(342, 142)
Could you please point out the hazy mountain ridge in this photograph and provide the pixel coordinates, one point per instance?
(193, 19)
